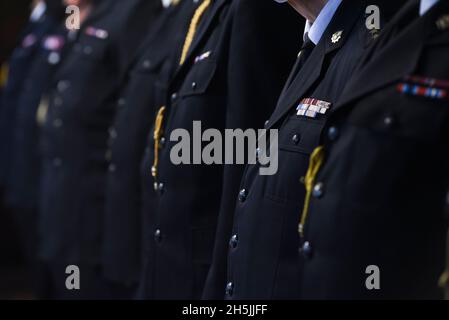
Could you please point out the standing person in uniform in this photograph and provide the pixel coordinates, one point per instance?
(256, 252)
(373, 226)
(143, 92)
(82, 104)
(21, 191)
(231, 69)
(41, 22)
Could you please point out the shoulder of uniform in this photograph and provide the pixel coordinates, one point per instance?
(371, 24)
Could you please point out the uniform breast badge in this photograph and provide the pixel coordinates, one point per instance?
(97, 33)
(424, 87)
(336, 36)
(310, 107)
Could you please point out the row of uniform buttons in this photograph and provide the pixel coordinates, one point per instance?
(61, 86)
(121, 102)
(234, 241)
(318, 192)
(306, 249)
(159, 187)
(108, 155)
(57, 123)
(333, 134)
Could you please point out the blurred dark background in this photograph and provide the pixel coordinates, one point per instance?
(15, 282)
(13, 16)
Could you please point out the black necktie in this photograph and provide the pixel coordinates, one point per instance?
(305, 52)
(303, 55)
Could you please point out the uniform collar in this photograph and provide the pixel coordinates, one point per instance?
(166, 3)
(425, 6)
(316, 30)
(381, 71)
(38, 11)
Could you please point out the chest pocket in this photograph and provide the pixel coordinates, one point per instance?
(402, 115)
(152, 73)
(300, 134)
(421, 118)
(298, 137)
(199, 78)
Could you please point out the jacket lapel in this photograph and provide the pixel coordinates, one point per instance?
(384, 69)
(344, 21)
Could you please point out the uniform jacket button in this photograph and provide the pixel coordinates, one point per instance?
(57, 162)
(121, 102)
(54, 58)
(194, 85)
(333, 133)
(160, 188)
(389, 121)
(158, 236)
(318, 190)
(112, 167)
(147, 64)
(243, 195)
(234, 241)
(57, 101)
(296, 138)
(162, 142)
(307, 250)
(174, 96)
(57, 123)
(229, 289)
(63, 85)
(112, 133)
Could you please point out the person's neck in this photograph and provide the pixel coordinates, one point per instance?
(309, 9)
(85, 11)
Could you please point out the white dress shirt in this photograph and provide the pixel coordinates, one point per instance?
(38, 11)
(426, 5)
(316, 29)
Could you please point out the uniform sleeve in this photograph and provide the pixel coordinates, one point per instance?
(265, 38)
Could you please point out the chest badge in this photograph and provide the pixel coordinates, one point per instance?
(336, 37)
(424, 87)
(443, 22)
(310, 107)
(97, 33)
(203, 56)
(53, 43)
